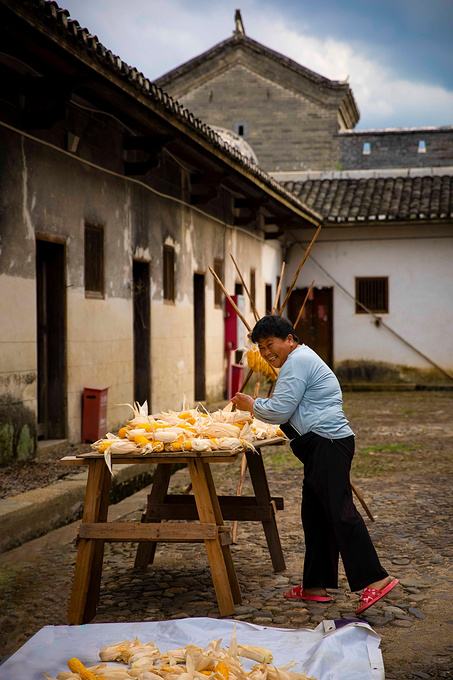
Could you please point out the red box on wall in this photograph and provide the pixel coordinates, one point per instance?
(94, 415)
(236, 378)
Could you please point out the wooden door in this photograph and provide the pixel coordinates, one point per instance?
(199, 336)
(315, 327)
(51, 339)
(142, 332)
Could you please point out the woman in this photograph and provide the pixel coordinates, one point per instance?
(307, 403)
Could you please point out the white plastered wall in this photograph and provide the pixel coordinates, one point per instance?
(99, 354)
(18, 356)
(417, 261)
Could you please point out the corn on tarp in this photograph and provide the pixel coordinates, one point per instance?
(344, 650)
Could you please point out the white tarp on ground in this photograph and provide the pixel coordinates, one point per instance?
(333, 651)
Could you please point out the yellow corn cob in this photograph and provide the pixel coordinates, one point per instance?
(144, 426)
(158, 446)
(140, 440)
(223, 669)
(123, 432)
(188, 445)
(76, 666)
(257, 363)
(176, 446)
(103, 446)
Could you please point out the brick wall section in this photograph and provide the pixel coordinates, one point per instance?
(396, 148)
(287, 130)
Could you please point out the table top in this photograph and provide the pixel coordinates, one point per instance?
(168, 456)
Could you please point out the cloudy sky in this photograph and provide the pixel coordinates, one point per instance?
(397, 54)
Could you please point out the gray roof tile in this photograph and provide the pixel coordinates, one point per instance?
(377, 198)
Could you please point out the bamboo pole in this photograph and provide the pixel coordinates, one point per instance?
(290, 289)
(238, 312)
(252, 302)
(362, 501)
(234, 533)
(277, 297)
(304, 303)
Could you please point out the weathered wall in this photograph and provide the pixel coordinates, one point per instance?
(286, 130)
(419, 291)
(396, 148)
(53, 195)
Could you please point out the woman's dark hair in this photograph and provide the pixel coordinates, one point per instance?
(273, 326)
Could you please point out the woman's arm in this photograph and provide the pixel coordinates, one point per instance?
(243, 401)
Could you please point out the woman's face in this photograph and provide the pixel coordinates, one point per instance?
(275, 350)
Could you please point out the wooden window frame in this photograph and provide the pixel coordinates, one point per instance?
(367, 298)
(218, 294)
(168, 274)
(253, 286)
(97, 291)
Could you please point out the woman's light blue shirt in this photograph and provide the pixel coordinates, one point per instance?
(308, 395)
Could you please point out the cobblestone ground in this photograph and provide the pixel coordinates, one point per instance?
(403, 468)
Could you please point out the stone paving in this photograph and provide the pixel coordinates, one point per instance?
(412, 533)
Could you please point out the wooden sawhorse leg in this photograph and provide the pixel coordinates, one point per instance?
(221, 564)
(146, 551)
(263, 497)
(90, 553)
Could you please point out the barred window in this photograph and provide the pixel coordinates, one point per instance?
(218, 268)
(373, 293)
(169, 273)
(94, 261)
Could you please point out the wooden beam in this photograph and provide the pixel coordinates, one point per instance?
(116, 532)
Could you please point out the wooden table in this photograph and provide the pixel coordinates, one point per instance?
(205, 510)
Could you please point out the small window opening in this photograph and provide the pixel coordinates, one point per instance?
(373, 293)
(241, 129)
(169, 273)
(94, 261)
(421, 146)
(366, 148)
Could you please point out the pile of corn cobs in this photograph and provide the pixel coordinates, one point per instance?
(190, 430)
(147, 662)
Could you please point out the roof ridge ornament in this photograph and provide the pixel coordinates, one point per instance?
(239, 30)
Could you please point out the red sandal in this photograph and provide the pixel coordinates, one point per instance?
(298, 593)
(370, 596)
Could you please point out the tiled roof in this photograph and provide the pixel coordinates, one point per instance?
(381, 199)
(57, 20)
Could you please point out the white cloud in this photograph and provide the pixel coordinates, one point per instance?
(383, 99)
(158, 35)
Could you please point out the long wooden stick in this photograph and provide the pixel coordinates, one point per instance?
(234, 533)
(364, 505)
(290, 289)
(247, 378)
(240, 315)
(279, 287)
(252, 302)
(304, 303)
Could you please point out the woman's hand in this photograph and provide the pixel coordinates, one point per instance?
(243, 401)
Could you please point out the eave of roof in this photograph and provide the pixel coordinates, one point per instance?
(381, 199)
(49, 18)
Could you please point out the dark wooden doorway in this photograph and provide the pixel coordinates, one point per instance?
(199, 317)
(142, 332)
(315, 327)
(51, 339)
